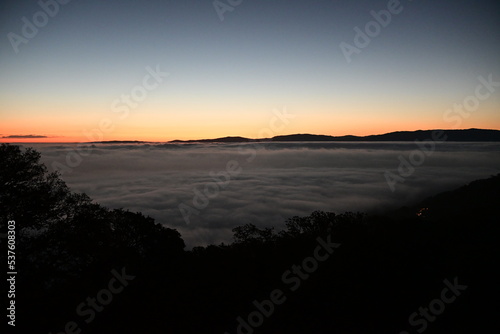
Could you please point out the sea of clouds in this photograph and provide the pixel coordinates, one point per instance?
(269, 183)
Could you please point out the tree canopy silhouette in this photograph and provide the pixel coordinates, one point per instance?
(387, 266)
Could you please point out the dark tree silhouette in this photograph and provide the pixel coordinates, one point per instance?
(31, 195)
(66, 243)
(385, 269)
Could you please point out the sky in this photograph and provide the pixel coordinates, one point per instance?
(161, 70)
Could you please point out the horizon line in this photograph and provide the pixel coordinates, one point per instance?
(30, 137)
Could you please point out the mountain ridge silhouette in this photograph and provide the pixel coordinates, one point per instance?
(482, 135)
(462, 135)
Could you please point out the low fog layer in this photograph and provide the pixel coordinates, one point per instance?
(269, 182)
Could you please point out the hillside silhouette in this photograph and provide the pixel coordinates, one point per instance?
(468, 135)
(376, 270)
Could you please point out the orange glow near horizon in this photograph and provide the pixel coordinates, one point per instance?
(161, 123)
(140, 136)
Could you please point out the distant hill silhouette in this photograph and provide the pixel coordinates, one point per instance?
(216, 140)
(120, 142)
(469, 135)
(480, 197)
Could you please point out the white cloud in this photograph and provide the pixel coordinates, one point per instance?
(284, 179)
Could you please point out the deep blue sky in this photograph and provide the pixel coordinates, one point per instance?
(227, 76)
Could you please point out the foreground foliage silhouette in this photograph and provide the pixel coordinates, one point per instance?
(385, 269)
